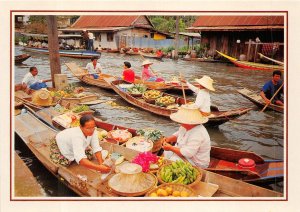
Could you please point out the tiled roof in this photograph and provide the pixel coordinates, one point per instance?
(211, 21)
(104, 21)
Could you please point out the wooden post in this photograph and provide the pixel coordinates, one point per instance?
(53, 47)
(249, 48)
(189, 43)
(176, 39)
(192, 43)
(255, 52)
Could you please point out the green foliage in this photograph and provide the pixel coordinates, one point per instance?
(167, 24)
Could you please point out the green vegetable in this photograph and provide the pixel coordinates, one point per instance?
(150, 134)
(80, 108)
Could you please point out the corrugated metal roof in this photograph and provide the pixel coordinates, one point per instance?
(207, 21)
(104, 21)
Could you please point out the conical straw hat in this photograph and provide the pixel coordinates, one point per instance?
(146, 62)
(206, 82)
(42, 98)
(189, 114)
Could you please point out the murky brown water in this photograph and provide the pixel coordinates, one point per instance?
(262, 133)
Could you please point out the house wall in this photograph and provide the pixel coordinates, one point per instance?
(226, 42)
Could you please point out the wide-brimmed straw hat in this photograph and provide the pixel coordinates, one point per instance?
(42, 98)
(206, 82)
(147, 62)
(189, 114)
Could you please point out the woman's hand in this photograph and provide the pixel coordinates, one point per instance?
(104, 169)
(166, 146)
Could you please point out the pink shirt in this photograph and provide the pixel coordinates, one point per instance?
(146, 74)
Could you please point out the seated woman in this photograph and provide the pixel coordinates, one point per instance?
(31, 81)
(192, 141)
(128, 73)
(147, 74)
(94, 68)
(76, 144)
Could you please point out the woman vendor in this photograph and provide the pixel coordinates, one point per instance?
(128, 73)
(94, 68)
(192, 141)
(75, 143)
(147, 74)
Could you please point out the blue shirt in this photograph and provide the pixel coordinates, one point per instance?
(269, 89)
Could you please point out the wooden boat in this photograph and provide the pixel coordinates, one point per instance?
(132, 53)
(217, 117)
(252, 65)
(208, 60)
(24, 98)
(109, 50)
(67, 53)
(21, 58)
(258, 100)
(149, 55)
(36, 135)
(84, 76)
(223, 160)
(271, 59)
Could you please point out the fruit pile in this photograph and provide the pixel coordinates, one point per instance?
(165, 101)
(168, 191)
(152, 94)
(137, 89)
(80, 108)
(179, 172)
(68, 92)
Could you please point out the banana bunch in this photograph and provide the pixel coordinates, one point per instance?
(165, 101)
(179, 172)
(152, 94)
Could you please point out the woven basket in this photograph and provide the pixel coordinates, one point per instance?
(198, 179)
(134, 194)
(157, 144)
(175, 187)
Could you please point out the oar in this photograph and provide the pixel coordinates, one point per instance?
(183, 92)
(272, 98)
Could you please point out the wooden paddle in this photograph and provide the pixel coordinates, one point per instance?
(183, 92)
(272, 98)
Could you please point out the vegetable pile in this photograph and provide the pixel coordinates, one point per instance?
(137, 89)
(150, 134)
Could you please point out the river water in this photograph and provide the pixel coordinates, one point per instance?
(262, 133)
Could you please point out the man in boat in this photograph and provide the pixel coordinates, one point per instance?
(75, 143)
(91, 41)
(147, 74)
(270, 88)
(85, 38)
(32, 81)
(94, 68)
(128, 73)
(205, 84)
(192, 141)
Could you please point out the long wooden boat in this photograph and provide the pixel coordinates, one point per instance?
(271, 59)
(217, 117)
(149, 55)
(109, 50)
(84, 77)
(132, 53)
(21, 58)
(89, 183)
(100, 82)
(251, 65)
(200, 59)
(67, 53)
(223, 160)
(258, 100)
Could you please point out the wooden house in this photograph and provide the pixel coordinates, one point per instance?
(112, 31)
(242, 35)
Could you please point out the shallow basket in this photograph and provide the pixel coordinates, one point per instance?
(157, 144)
(198, 179)
(175, 187)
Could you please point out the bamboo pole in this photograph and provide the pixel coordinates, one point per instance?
(183, 92)
(272, 98)
(53, 47)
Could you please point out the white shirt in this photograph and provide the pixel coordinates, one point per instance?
(29, 79)
(202, 99)
(91, 35)
(72, 143)
(91, 69)
(194, 145)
